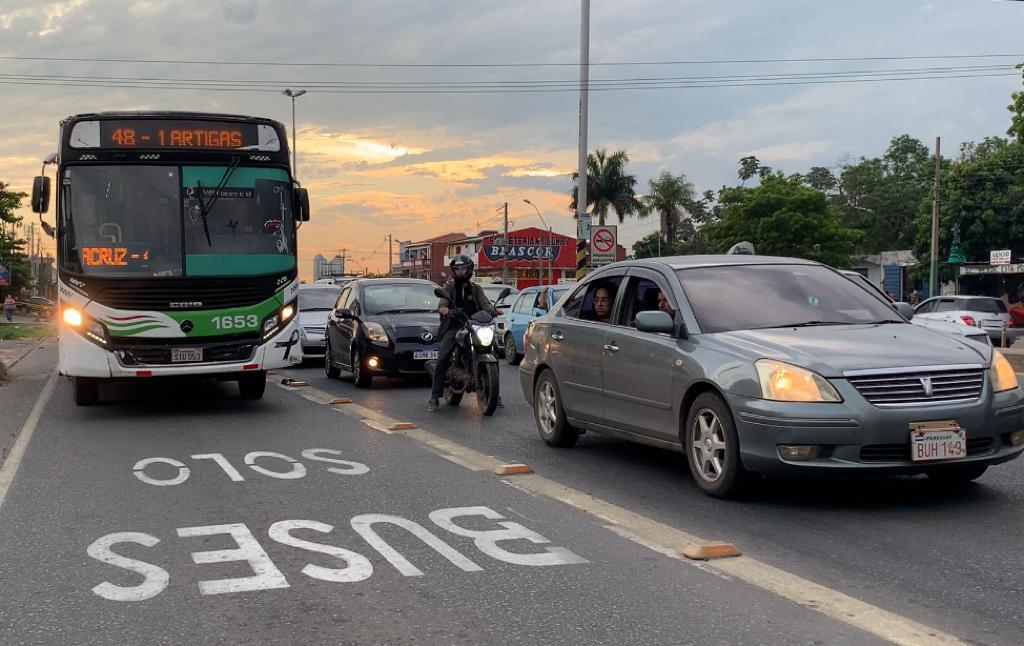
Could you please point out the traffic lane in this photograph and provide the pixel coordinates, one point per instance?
(136, 478)
(945, 557)
(18, 393)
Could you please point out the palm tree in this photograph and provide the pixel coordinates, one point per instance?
(670, 197)
(608, 185)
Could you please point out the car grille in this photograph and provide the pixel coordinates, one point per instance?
(156, 296)
(893, 390)
(160, 354)
(414, 335)
(901, 452)
(315, 331)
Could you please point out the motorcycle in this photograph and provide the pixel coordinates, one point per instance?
(474, 366)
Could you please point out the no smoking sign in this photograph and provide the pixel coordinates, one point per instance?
(602, 245)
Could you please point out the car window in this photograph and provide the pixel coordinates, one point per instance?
(925, 307)
(598, 299)
(343, 298)
(746, 297)
(575, 303)
(643, 295)
(525, 303)
(986, 305)
(946, 305)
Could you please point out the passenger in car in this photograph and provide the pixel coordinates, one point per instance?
(604, 296)
(665, 305)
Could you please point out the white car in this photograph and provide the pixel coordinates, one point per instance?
(959, 329)
(316, 302)
(986, 313)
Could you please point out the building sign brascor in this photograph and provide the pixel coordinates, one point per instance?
(523, 248)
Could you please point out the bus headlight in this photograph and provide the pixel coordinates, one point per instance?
(72, 317)
(87, 326)
(484, 335)
(273, 323)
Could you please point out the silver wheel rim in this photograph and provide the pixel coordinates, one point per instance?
(510, 347)
(547, 408)
(707, 445)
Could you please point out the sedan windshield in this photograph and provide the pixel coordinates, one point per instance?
(312, 300)
(399, 298)
(749, 297)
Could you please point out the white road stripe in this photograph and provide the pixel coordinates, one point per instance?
(10, 466)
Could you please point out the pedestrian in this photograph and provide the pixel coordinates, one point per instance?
(9, 306)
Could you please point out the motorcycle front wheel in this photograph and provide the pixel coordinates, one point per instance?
(487, 387)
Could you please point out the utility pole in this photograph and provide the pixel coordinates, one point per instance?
(934, 274)
(504, 262)
(582, 217)
(389, 255)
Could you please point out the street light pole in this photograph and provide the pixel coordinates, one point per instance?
(551, 261)
(294, 94)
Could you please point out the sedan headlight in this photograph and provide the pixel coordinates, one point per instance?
(787, 383)
(376, 333)
(484, 335)
(1001, 373)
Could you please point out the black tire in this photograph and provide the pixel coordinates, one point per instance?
(360, 377)
(487, 388)
(331, 370)
(86, 390)
(549, 414)
(958, 475)
(511, 356)
(713, 448)
(252, 386)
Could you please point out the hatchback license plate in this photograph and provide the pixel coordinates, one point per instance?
(937, 441)
(425, 354)
(186, 355)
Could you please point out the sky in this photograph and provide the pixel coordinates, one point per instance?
(417, 164)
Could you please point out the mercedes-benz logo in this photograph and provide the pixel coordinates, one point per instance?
(427, 337)
(186, 326)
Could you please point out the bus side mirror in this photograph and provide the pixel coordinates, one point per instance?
(302, 197)
(41, 194)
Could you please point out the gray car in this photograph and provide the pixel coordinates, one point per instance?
(775, 366)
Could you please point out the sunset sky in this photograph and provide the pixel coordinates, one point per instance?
(417, 164)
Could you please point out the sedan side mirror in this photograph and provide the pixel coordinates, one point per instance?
(906, 310)
(343, 313)
(655, 321)
(505, 292)
(302, 197)
(41, 194)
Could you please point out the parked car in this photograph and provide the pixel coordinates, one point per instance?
(966, 331)
(984, 312)
(772, 366)
(528, 305)
(382, 326)
(37, 305)
(315, 303)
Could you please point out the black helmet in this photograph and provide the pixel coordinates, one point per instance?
(462, 260)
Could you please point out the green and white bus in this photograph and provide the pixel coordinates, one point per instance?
(176, 248)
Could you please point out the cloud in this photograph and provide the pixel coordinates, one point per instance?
(793, 151)
(239, 11)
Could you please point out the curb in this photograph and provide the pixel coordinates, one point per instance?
(26, 353)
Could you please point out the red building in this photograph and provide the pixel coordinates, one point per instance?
(534, 257)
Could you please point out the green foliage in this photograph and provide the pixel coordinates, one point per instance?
(783, 217)
(609, 186)
(1016, 109)
(671, 198)
(12, 253)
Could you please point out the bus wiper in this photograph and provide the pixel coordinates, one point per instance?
(202, 213)
(204, 209)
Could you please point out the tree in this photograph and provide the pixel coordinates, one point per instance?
(609, 186)
(821, 179)
(783, 216)
(12, 253)
(1016, 108)
(670, 197)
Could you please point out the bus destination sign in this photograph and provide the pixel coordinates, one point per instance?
(177, 133)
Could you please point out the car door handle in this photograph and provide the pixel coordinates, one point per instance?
(557, 336)
(611, 347)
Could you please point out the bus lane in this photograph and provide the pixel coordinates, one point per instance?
(183, 513)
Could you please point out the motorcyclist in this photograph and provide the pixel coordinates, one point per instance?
(463, 294)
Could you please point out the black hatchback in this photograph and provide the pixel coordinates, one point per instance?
(382, 327)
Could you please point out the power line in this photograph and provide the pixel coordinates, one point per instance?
(747, 61)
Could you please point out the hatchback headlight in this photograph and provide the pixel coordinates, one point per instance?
(376, 333)
(1001, 373)
(485, 335)
(787, 383)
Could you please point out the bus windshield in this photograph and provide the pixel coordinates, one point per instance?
(146, 221)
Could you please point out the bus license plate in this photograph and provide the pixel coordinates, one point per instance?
(425, 354)
(186, 355)
(937, 441)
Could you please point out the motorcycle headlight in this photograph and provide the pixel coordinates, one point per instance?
(485, 335)
(376, 333)
(1001, 373)
(784, 382)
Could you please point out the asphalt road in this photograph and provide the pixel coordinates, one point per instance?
(175, 514)
(949, 558)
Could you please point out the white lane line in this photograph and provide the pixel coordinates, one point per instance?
(10, 465)
(664, 538)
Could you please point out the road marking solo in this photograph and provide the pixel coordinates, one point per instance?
(294, 471)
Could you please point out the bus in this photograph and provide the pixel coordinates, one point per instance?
(176, 248)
